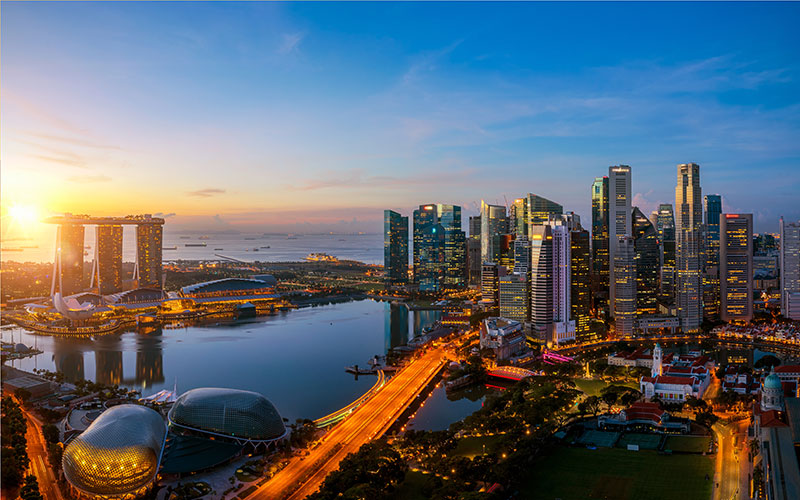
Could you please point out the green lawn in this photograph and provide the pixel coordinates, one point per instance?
(472, 446)
(607, 473)
(593, 387)
(689, 444)
(416, 486)
(645, 441)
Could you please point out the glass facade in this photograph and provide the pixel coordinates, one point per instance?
(70, 255)
(149, 239)
(540, 209)
(229, 412)
(647, 263)
(117, 456)
(600, 238)
(736, 267)
(395, 248)
(108, 258)
(581, 302)
(688, 253)
(493, 224)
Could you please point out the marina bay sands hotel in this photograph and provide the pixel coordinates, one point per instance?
(106, 276)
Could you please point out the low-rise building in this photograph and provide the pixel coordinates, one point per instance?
(504, 336)
(644, 415)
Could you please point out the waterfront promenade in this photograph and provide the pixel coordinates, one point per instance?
(304, 475)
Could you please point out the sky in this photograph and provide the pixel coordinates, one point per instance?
(306, 117)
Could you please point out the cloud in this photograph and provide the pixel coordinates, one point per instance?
(206, 193)
(163, 215)
(290, 42)
(73, 141)
(67, 159)
(89, 179)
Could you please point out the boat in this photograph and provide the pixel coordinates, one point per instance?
(219, 249)
(11, 250)
(186, 237)
(291, 237)
(255, 249)
(250, 239)
(195, 244)
(204, 237)
(321, 257)
(265, 246)
(169, 248)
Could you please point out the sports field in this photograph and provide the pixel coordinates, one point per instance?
(645, 441)
(689, 444)
(613, 473)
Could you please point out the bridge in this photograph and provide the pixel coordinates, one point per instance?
(552, 358)
(511, 373)
(304, 475)
(341, 414)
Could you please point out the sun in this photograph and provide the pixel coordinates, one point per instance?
(23, 214)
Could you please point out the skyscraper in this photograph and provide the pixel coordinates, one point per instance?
(490, 284)
(520, 225)
(513, 297)
(790, 269)
(646, 262)
(580, 271)
(395, 248)
(454, 274)
(474, 260)
(149, 237)
(736, 267)
(666, 233)
(712, 208)
(689, 221)
(475, 227)
(108, 259)
(600, 241)
(619, 217)
(541, 282)
(522, 255)
(493, 224)
(625, 283)
(428, 248)
(68, 264)
(540, 210)
(563, 325)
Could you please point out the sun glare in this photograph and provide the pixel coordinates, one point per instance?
(23, 214)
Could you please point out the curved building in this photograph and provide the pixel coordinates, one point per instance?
(244, 416)
(230, 286)
(118, 455)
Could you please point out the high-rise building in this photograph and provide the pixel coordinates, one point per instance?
(474, 260)
(475, 227)
(148, 269)
(493, 224)
(506, 256)
(688, 228)
(600, 242)
(454, 274)
(666, 233)
(625, 277)
(395, 248)
(580, 292)
(540, 210)
(490, 282)
(646, 262)
(428, 248)
(513, 297)
(68, 264)
(520, 224)
(736, 267)
(619, 217)
(712, 208)
(541, 282)
(790, 269)
(108, 259)
(563, 325)
(522, 255)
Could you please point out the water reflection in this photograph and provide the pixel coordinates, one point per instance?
(149, 358)
(68, 359)
(396, 326)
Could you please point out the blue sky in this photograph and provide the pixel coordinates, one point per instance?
(317, 116)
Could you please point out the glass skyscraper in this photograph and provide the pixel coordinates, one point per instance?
(736, 267)
(647, 262)
(395, 248)
(619, 216)
(600, 241)
(149, 237)
(688, 229)
(493, 224)
(428, 248)
(712, 208)
(108, 259)
(665, 225)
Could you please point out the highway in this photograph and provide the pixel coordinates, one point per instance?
(304, 475)
(731, 460)
(39, 466)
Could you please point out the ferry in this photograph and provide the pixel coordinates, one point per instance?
(186, 237)
(219, 249)
(321, 257)
(195, 244)
(169, 248)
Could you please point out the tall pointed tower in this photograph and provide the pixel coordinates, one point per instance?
(657, 367)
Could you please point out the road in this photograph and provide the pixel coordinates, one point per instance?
(732, 462)
(304, 475)
(37, 453)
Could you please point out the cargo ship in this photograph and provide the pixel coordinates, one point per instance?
(195, 244)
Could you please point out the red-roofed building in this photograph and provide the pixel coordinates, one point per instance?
(644, 415)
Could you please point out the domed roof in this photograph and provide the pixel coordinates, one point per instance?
(118, 453)
(773, 381)
(231, 412)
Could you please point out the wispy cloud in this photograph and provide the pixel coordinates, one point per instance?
(206, 193)
(89, 179)
(290, 42)
(163, 215)
(73, 141)
(64, 159)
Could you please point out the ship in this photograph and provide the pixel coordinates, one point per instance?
(195, 244)
(169, 248)
(204, 237)
(12, 250)
(321, 257)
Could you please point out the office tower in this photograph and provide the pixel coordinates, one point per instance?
(474, 261)
(580, 293)
(541, 282)
(454, 274)
(563, 326)
(108, 259)
(490, 284)
(540, 210)
(625, 283)
(654, 221)
(736, 267)
(395, 248)
(493, 224)
(619, 217)
(475, 227)
(148, 270)
(600, 242)
(688, 229)
(790, 269)
(522, 255)
(68, 263)
(513, 297)
(646, 262)
(666, 232)
(428, 248)
(506, 256)
(765, 244)
(712, 208)
(520, 224)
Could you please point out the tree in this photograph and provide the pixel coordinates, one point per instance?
(51, 434)
(767, 360)
(30, 490)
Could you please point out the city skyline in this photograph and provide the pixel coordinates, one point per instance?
(326, 115)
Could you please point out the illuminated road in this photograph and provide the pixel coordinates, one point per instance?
(304, 475)
(40, 467)
(340, 415)
(729, 453)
